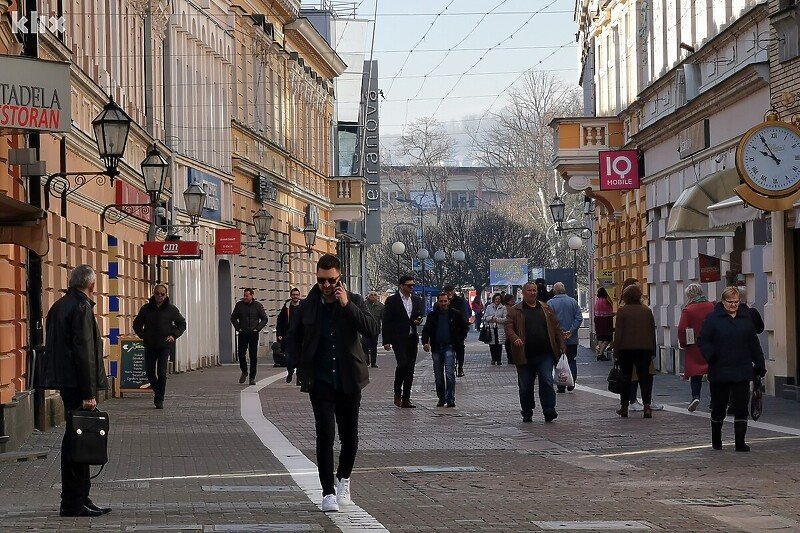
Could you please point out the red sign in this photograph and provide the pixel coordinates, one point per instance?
(709, 268)
(227, 241)
(172, 248)
(619, 170)
(126, 194)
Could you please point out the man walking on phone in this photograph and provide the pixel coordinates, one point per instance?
(403, 312)
(324, 337)
(73, 364)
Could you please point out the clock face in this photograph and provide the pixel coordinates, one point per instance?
(768, 158)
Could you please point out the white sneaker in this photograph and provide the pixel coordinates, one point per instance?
(329, 503)
(636, 406)
(343, 492)
(656, 406)
(693, 405)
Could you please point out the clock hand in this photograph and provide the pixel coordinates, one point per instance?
(771, 154)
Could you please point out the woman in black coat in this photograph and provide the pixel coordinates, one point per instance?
(729, 343)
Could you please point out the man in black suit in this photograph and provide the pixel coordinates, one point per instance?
(403, 312)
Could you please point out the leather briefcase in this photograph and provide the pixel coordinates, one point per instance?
(89, 442)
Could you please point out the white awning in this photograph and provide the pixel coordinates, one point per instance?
(731, 212)
(689, 217)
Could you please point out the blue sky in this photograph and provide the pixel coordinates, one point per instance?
(490, 42)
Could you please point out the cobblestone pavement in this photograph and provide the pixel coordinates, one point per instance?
(199, 466)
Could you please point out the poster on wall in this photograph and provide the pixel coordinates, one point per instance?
(710, 269)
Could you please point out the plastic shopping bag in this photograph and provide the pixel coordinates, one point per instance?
(562, 375)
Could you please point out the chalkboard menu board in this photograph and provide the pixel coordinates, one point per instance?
(132, 373)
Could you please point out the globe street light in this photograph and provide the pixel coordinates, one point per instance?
(575, 243)
(439, 256)
(422, 255)
(459, 257)
(398, 249)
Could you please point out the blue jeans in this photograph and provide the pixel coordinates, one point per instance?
(541, 367)
(444, 371)
(696, 383)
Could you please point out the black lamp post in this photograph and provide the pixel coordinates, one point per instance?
(111, 128)
(557, 210)
(310, 236)
(154, 172)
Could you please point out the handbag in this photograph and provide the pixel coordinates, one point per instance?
(89, 439)
(617, 381)
(562, 373)
(756, 399)
(485, 335)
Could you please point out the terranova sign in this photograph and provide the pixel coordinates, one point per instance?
(34, 95)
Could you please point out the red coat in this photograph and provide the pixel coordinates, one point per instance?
(693, 316)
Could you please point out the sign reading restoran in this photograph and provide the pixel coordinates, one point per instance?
(34, 94)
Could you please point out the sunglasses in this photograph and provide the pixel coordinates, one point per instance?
(160, 293)
(330, 281)
(409, 285)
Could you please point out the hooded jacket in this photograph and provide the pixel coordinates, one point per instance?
(154, 324)
(73, 356)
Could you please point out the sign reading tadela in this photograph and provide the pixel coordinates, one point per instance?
(34, 94)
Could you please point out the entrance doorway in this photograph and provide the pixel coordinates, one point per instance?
(227, 353)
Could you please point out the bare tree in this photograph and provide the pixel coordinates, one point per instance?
(519, 143)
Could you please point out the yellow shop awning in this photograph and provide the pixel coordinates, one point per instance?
(689, 218)
(24, 225)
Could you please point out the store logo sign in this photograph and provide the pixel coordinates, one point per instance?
(37, 23)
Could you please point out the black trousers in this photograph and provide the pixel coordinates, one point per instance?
(155, 365)
(739, 394)
(460, 349)
(75, 482)
(332, 408)
(248, 340)
(406, 357)
(496, 351)
(370, 346)
(641, 360)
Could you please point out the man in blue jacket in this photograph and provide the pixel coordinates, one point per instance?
(73, 364)
(324, 336)
(570, 317)
(444, 330)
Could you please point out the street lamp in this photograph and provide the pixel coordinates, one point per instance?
(459, 256)
(310, 236)
(575, 243)
(262, 220)
(422, 255)
(438, 257)
(557, 210)
(154, 172)
(194, 197)
(398, 249)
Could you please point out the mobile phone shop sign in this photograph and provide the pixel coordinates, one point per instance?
(619, 170)
(34, 94)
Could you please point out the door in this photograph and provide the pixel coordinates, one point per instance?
(227, 353)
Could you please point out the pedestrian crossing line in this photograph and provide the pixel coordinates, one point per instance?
(786, 430)
(351, 518)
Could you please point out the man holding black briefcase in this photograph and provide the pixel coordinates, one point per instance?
(73, 364)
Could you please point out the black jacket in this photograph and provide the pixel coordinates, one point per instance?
(397, 325)
(458, 327)
(304, 332)
(248, 316)
(73, 356)
(154, 324)
(730, 346)
(285, 318)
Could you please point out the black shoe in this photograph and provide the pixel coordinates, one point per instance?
(243, 377)
(252, 381)
(440, 403)
(561, 390)
(499, 363)
(93, 507)
(289, 374)
(527, 418)
(549, 416)
(451, 404)
(570, 389)
(460, 373)
(159, 404)
(373, 366)
(80, 511)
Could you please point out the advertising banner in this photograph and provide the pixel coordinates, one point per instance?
(619, 170)
(710, 269)
(508, 271)
(34, 95)
(227, 241)
(605, 279)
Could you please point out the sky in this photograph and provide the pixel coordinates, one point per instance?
(456, 59)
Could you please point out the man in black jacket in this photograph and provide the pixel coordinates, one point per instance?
(402, 313)
(459, 303)
(282, 327)
(324, 337)
(158, 324)
(248, 318)
(445, 329)
(73, 364)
